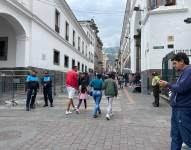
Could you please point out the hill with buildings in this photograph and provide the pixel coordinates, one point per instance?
(112, 53)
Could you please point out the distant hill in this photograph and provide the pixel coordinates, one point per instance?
(111, 54)
(111, 50)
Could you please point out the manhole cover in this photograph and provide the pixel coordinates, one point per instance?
(9, 135)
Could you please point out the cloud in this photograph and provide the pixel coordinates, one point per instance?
(108, 15)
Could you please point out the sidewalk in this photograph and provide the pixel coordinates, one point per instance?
(136, 125)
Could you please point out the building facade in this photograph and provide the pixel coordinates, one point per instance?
(31, 38)
(43, 35)
(157, 27)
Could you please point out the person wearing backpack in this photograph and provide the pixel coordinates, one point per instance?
(111, 91)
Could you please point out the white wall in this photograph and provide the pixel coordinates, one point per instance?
(159, 27)
(46, 47)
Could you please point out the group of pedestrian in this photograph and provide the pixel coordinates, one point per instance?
(93, 86)
(32, 87)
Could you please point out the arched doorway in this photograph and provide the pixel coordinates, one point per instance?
(12, 42)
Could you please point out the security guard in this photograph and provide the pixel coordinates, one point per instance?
(47, 89)
(32, 83)
(156, 88)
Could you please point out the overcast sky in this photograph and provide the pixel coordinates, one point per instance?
(108, 15)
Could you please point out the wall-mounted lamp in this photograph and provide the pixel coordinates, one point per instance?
(137, 8)
(188, 20)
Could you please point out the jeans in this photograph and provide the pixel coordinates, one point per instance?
(109, 107)
(180, 129)
(97, 98)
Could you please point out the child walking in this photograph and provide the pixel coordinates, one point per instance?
(82, 97)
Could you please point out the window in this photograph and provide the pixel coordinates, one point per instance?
(153, 4)
(3, 48)
(170, 2)
(83, 47)
(86, 50)
(79, 42)
(82, 67)
(78, 66)
(85, 68)
(171, 46)
(67, 31)
(73, 62)
(56, 57)
(57, 21)
(74, 38)
(66, 61)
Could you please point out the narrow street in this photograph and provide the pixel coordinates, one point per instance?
(136, 125)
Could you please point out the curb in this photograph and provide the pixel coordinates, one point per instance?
(165, 98)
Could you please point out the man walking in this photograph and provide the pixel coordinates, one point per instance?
(72, 86)
(110, 88)
(180, 102)
(47, 89)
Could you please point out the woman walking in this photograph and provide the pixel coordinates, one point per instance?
(96, 84)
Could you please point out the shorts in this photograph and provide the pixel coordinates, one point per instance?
(71, 92)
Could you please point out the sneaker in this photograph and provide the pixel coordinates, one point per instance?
(45, 105)
(27, 109)
(99, 112)
(68, 112)
(94, 116)
(77, 111)
(107, 117)
(51, 105)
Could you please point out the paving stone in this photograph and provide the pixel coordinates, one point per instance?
(134, 126)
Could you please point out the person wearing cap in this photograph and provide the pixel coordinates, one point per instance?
(156, 88)
(180, 102)
(32, 85)
(46, 82)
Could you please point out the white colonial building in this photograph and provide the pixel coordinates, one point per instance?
(44, 35)
(152, 29)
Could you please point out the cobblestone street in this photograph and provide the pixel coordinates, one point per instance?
(136, 125)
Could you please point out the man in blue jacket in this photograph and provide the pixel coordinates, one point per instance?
(180, 102)
(46, 82)
(32, 83)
